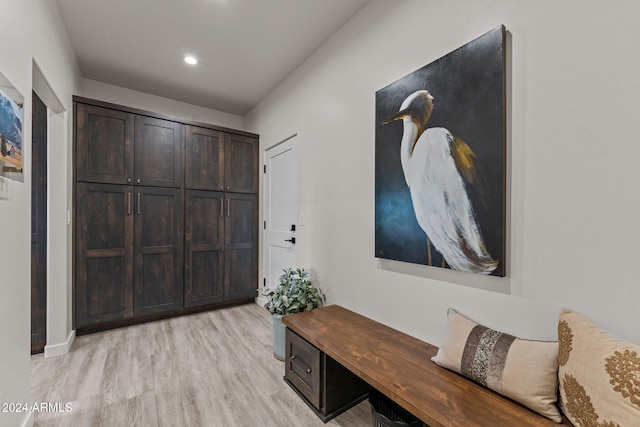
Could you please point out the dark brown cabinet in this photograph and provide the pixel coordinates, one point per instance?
(114, 147)
(103, 253)
(221, 251)
(104, 145)
(240, 240)
(241, 164)
(204, 247)
(128, 252)
(157, 252)
(204, 159)
(166, 215)
(220, 161)
(158, 152)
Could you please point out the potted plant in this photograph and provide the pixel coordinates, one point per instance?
(294, 294)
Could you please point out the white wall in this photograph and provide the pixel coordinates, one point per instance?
(144, 101)
(33, 31)
(572, 179)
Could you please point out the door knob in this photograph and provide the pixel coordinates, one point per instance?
(292, 240)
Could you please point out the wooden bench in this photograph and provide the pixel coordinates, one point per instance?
(397, 365)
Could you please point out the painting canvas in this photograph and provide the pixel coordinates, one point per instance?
(440, 161)
(11, 116)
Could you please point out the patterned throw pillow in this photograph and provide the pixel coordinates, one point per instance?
(599, 376)
(525, 371)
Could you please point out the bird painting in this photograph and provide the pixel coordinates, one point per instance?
(440, 161)
(437, 166)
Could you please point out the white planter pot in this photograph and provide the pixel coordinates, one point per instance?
(278, 337)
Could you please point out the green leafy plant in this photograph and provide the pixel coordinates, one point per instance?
(295, 293)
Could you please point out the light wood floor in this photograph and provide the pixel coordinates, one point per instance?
(205, 370)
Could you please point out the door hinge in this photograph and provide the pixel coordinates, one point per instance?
(264, 168)
(265, 225)
(264, 282)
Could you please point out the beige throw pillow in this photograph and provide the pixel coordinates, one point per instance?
(525, 371)
(599, 376)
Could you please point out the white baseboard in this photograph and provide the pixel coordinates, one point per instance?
(28, 420)
(55, 350)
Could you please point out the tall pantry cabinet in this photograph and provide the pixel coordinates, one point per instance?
(166, 215)
(221, 216)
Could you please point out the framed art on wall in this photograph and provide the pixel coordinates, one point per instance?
(440, 161)
(11, 119)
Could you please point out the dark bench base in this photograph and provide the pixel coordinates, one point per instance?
(326, 386)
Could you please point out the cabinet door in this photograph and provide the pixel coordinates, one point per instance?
(158, 152)
(104, 253)
(158, 250)
(104, 145)
(204, 248)
(302, 368)
(241, 164)
(241, 265)
(204, 154)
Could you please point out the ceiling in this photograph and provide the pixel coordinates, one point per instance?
(244, 47)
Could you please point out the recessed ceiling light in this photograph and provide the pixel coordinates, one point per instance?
(190, 60)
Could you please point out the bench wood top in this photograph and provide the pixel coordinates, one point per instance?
(400, 367)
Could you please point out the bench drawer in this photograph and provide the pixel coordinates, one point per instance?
(302, 368)
(326, 386)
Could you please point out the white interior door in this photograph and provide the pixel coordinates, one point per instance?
(281, 203)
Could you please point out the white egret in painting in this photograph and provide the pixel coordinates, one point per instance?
(434, 163)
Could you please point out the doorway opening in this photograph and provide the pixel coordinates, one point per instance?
(38, 225)
(49, 267)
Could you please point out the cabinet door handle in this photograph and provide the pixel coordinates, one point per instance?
(221, 206)
(228, 207)
(129, 203)
(139, 194)
(293, 360)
